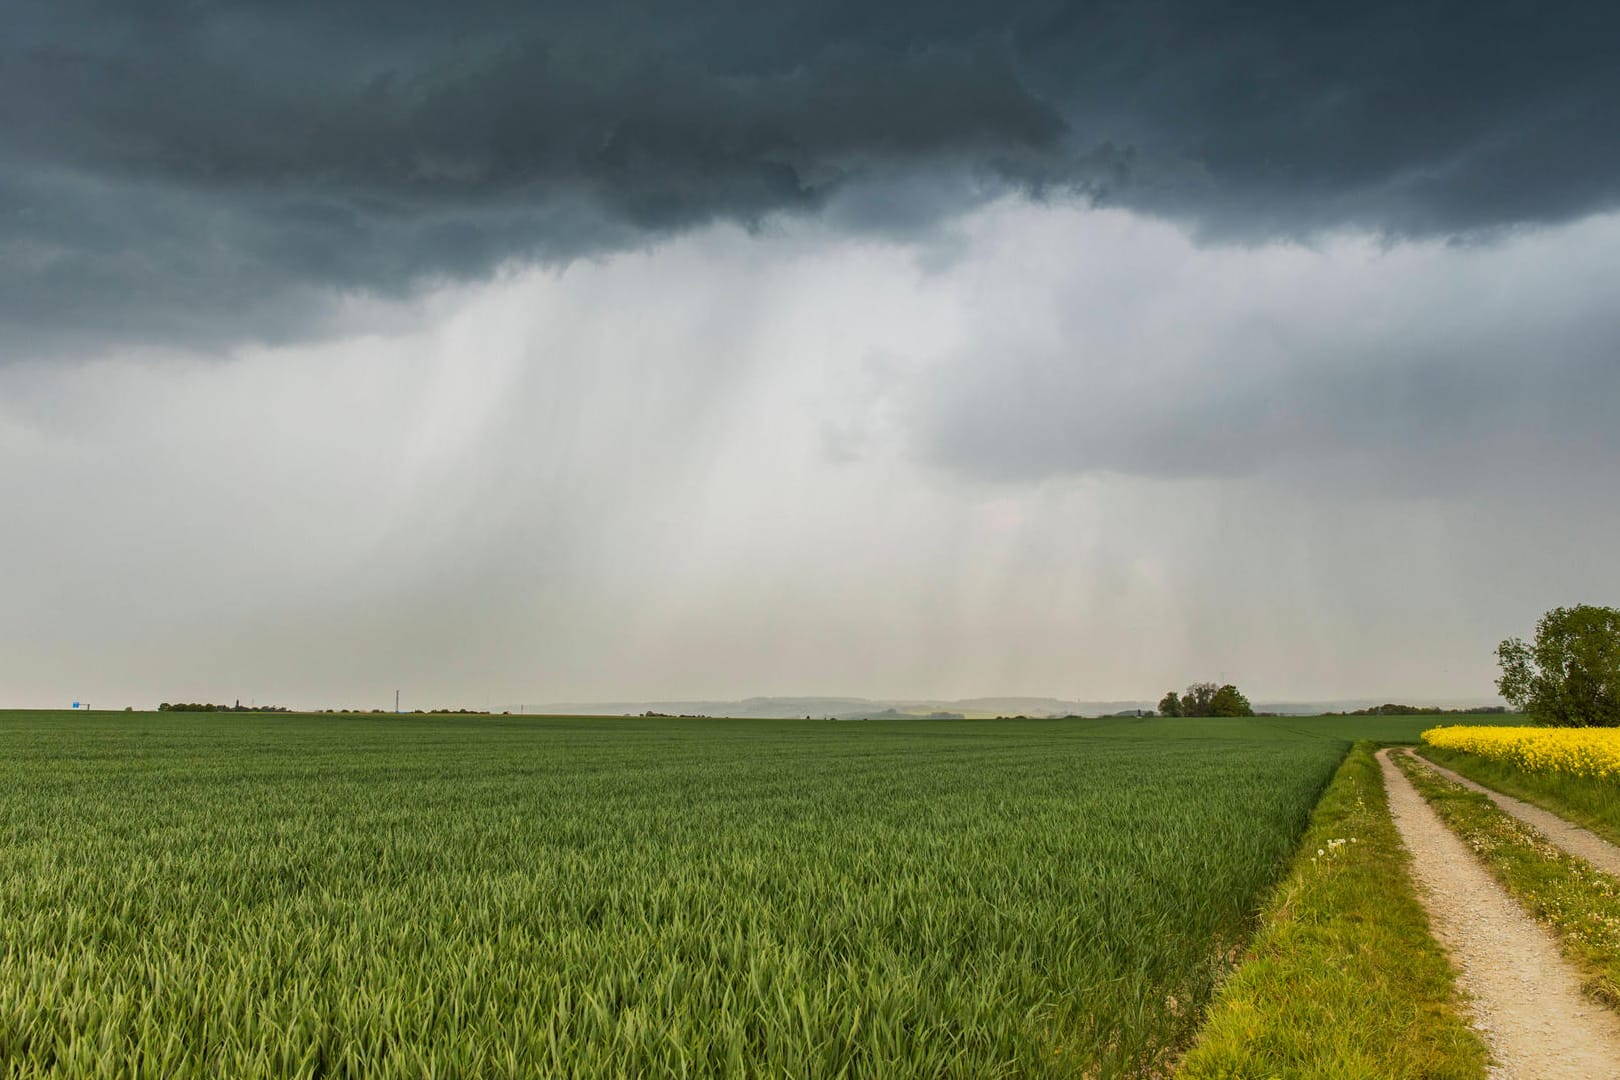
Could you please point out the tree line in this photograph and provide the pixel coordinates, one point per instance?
(1388, 709)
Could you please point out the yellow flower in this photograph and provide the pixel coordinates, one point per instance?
(1590, 752)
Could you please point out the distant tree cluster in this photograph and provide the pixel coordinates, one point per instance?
(1417, 710)
(1570, 675)
(1206, 699)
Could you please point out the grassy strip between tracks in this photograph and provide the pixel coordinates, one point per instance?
(1344, 979)
(1579, 903)
(1590, 801)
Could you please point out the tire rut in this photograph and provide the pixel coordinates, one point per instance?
(1565, 834)
(1526, 1000)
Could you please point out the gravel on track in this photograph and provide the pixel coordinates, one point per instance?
(1565, 834)
(1526, 999)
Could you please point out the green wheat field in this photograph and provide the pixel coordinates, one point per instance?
(285, 895)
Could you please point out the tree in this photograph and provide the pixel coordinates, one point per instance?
(1571, 675)
(1198, 699)
(1229, 701)
(1206, 699)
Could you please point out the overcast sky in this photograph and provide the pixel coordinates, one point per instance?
(568, 352)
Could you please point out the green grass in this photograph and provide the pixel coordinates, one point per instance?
(187, 895)
(1579, 903)
(1588, 801)
(1342, 979)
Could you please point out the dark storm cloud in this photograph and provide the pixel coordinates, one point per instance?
(199, 172)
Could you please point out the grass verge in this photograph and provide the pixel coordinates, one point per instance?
(1579, 903)
(1588, 801)
(1343, 979)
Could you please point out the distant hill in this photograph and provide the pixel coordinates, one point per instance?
(847, 708)
(855, 708)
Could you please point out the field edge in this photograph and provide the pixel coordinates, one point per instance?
(1343, 978)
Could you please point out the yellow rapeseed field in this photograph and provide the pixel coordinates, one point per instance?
(1578, 751)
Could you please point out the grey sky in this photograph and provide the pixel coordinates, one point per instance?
(910, 350)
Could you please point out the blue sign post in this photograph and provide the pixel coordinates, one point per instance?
(75, 704)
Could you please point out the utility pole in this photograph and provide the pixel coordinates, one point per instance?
(396, 701)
